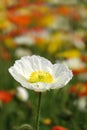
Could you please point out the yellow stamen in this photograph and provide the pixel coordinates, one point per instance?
(40, 76)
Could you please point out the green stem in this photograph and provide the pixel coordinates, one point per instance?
(38, 111)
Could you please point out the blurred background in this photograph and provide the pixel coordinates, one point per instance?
(56, 30)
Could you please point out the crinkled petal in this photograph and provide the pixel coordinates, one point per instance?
(38, 63)
(41, 87)
(20, 78)
(62, 75)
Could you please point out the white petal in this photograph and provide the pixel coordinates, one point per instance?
(38, 63)
(62, 75)
(25, 66)
(18, 77)
(40, 87)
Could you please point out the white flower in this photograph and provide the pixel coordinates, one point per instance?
(43, 33)
(63, 1)
(22, 93)
(77, 41)
(83, 12)
(60, 23)
(54, 1)
(74, 63)
(24, 40)
(39, 74)
(19, 52)
(81, 103)
(82, 76)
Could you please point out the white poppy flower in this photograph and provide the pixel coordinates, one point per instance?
(60, 23)
(39, 74)
(22, 93)
(74, 63)
(24, 40)
(82, 76)
(63, 2)
(81, 103)
(20, 52)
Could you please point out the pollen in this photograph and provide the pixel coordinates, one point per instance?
(40, 76)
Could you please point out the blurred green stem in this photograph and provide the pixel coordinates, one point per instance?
(38, 111)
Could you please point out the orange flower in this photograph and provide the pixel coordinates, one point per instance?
(64, 10)
(23, 2)
(79, 89)
(59, 128)
(84, 58)
(21, 20)
(69, 11)
(75, 16)
(5, 54)
(36, 14)
(81, 70)
(5, 96)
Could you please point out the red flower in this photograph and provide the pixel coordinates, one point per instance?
(84, 58)
(64, 10)
(5, 54)
(59, 128)
(79, 71)
(5, 96)
(79, 89)
(22, 20)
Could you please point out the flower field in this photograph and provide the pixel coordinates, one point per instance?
(43, 65)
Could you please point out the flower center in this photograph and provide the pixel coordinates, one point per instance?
(40, 76)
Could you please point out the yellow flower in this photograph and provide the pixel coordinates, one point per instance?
(10, 43)
(43, 9)
(56, 42)
(47, 20)
(69, 54)
(47, 121)
(4, 23)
